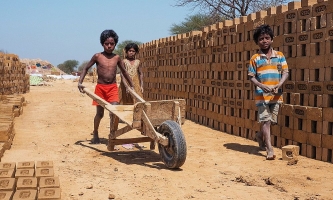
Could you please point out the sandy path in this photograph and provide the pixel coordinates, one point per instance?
(57, 122)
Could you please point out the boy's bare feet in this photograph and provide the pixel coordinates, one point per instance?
(259, 138)
(95, 139)
(270, 154)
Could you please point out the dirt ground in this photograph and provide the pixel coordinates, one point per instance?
(56, 126)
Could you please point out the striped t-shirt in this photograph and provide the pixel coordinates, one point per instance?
(268, 72)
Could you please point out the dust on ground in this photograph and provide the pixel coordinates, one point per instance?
(56, 125)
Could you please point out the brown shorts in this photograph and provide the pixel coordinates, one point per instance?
(268, 112)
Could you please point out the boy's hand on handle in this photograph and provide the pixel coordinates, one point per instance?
(80, 86)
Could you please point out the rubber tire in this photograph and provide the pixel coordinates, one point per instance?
(177, 157)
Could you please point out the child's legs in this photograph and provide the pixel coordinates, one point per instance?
(267, 116)
(99, 115)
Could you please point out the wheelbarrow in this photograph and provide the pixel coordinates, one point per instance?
(158, 121)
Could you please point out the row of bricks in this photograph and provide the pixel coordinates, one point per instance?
(33, 194)
(311, 151)
(21, 183)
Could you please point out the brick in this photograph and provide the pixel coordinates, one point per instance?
(6, 195)
(302, 62)
(310, 151)
(26, 165)
(24, 172)
(289, 86)
(276, 130)
(314, 139)
(287, 109)
(327, 141)
(303, 149)
(328, 114)
(308, 2)
(49, 193)
(328, 87)
(314, 113)
(315, 100)
(320, 8)
(7, 184)
(300, 112)
(7, 165)
(286, 133)
(26, 183)
(300, 124)
(327, 100)
(44, 164)
(290, 152)
(302, 87)
(25, 195)
(316, 62)
(316, 76)
(44, 172)
(300, 136)
(7, 173)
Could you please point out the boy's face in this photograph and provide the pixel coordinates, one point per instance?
(265, 41)
(109, 45)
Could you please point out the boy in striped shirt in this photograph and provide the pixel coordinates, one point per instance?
(268, 70)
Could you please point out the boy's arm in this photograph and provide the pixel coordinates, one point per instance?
(124, 73)
(283, 79)
(84, 72)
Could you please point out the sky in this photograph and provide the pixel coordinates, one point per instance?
(62, 30)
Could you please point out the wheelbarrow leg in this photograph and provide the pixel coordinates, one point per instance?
(152, 145)
(114, 120)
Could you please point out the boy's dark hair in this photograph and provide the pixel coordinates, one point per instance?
(107, 34)
(263, 29)
(132, 45)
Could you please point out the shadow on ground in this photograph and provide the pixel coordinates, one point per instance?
(245, 148)
(137, 155)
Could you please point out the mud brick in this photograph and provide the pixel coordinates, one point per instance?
(287, 109)
(7, 173)
(302, 87)
(288, 98)
(286, 121)
(327, 114)
(326, 155)
(328, 127)
(276, 130)
(327, 141)
(49, 193)
(24, 172)
(289, 86)
(300, 136)
(318, 35)
(328, 87)
(318, 48)
(7, 184)
(299, 124)
(314, 139)
(329, 75)
(25, 195)
(6, 195)
(7, 165)
(290, 152)
(316, 61)
(314, 113)
(300, 112)
(303, 38)
(290, 51)
(308, 2)
(315, 100)
(287, 133)
(248, 104)
(303, 149)
(327, 100)
(289, 39)
(310, 151)
(320, 8)
(301, 99)
(26, 183)
(302, 74)
(26, 165)
(302, 62)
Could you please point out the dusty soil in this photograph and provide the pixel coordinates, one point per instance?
(56, 125)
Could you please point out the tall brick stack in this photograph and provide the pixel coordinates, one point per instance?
(208, 68)
(13, 77)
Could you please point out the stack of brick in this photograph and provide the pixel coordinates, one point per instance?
(11, 106)
(208, 69)
(13, 77)
(29, 181)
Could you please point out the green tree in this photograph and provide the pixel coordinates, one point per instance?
(120, 47)
(68, 66)
(193, 23)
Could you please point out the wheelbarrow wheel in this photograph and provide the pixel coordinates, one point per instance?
(173, 155)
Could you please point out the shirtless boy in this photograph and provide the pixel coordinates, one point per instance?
(106, 64)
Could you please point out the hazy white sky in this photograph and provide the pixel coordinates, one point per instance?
(62, 30)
